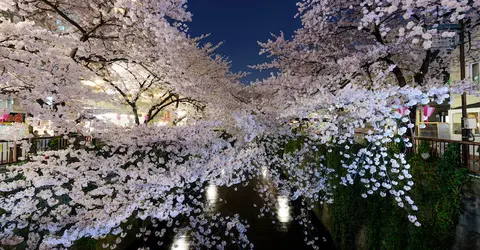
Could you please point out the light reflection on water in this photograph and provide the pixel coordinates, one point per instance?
(281, 213)
(211, 194)
(283, 209)
(180, 242)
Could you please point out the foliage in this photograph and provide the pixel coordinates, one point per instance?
(71, 62)
(345, 220)
(54, 143)
(85, 243)
(437, 192)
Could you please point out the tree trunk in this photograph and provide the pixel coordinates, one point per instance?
(135, 113)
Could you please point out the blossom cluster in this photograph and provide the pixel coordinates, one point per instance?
(345, 70)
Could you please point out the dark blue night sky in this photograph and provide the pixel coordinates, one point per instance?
(240, 24)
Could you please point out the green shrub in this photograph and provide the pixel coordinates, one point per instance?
(85, 244)
(437, 193)
(53, 144)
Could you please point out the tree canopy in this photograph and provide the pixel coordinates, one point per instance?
(351, 66)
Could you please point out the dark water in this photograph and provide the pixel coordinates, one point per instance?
(284, 233)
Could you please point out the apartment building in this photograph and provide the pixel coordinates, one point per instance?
(472, 58)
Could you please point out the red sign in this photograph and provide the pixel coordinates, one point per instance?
(12, 118)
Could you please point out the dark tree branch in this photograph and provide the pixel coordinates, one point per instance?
(429, 57)
(396, 71)
(64, 16)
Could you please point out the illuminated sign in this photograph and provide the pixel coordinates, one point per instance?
(12, 118)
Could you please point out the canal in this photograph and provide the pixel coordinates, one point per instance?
(274, 230)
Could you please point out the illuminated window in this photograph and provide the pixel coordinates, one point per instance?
(475, 76)
(6, 105)
(60, 26)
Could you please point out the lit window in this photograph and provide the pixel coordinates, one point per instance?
(475, 73)
(49, 100)
(60, 26)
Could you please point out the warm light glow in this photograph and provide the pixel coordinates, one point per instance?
(94, 83)
(119, 10)
(181, 113)
(264, 172)
(212, 193)
(119, 68)
(181, 243)
(283, 209)
(88, 83)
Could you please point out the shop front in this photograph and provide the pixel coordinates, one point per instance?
(12, 130)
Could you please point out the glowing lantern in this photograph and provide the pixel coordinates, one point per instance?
(427, 112)
(4, 118)
(4, 114)
(402, 110)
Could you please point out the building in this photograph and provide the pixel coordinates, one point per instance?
(10, 113)
(472, 59)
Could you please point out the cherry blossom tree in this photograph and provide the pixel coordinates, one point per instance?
(354, 39)
(345, 69)
(337, 73)
(137, 52)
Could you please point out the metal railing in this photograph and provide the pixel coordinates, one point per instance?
(439, 146)
(12, 151)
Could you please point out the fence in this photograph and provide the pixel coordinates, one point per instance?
(11, 152)
(439, 146)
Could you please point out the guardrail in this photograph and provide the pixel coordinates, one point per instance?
(439, 146)
(12, 151)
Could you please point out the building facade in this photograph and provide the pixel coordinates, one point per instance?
(472, 69)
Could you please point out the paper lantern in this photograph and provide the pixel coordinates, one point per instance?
(402, 110)
(427, 112)
(4, 118)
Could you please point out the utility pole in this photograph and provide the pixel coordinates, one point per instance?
(465, 132)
